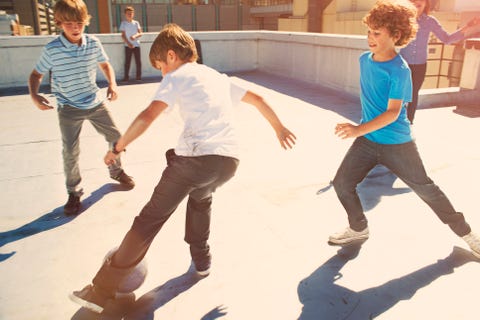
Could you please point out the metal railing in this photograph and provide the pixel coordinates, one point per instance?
(454, 70)
(264, 3)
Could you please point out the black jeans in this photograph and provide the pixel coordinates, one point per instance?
(418, 76)
(193, 177)
(404, 161)
(128, 59)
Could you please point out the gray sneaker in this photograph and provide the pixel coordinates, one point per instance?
(473, 242)
(348, 235)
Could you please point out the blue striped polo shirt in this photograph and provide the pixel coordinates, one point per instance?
(74, 70)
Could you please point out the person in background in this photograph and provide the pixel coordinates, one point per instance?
(415, 53)
(131, 32)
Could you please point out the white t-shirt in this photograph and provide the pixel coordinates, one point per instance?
(131, 28)
(205, 99)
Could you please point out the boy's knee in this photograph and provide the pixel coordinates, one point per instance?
(341, 186)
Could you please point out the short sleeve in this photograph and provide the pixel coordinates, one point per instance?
(237, 93)
(44, 63)
(165, 92)
(101, 54)
(401, 85)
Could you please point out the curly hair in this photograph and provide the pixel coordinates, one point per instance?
(398, 17)
(173, 37)
(71, 10)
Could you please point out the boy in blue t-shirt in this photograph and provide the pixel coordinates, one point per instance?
(383, 135)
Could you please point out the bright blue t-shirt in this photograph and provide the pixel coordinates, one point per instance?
(379, 82)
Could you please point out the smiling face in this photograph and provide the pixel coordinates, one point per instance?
(73, 30)
(381, 44)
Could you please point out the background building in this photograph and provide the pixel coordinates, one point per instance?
(325, 16)
(35, 16)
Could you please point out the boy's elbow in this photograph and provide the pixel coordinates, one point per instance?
(252, 98)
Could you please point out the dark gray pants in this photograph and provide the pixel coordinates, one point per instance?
(71, 121)
(404, 161)
(128, 59)
(195, 177)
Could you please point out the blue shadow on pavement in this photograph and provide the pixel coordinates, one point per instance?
(322, 298)
(54, 219)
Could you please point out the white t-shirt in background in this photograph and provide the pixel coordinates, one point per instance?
(131, 28)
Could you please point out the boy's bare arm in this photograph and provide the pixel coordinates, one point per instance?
(124, 37)
(137, 35)
(112, 83)
(34, 81)
(348, 130)
(285, 137)
(137, 128)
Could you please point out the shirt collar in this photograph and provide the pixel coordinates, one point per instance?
(68, 44)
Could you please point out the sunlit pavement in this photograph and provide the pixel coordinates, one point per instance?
(270, 223)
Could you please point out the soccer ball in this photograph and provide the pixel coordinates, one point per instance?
(135, 279)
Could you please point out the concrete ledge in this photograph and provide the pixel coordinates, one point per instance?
(445, 97)
(297, 55)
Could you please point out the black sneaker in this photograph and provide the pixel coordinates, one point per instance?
(89, 298)
(73, 205)
(202, 267)
(124, 179)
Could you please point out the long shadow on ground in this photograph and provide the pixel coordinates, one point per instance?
(144, 308)
(322, 298)
(54, 219)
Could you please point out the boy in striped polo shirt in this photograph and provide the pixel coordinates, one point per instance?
(72, 59)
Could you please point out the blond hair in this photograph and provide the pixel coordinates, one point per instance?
(398, 17)
(71, 10)
(173, 37)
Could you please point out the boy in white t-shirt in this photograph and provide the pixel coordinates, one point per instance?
(131, 31)
(205, 157)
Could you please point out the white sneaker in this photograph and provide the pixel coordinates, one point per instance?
(473, 242)
(348, 235)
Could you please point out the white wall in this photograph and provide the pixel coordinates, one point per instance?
(328, 60)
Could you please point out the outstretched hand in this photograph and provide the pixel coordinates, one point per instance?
(286, 138)
(112, 93)
(41, 102)
(109, 158)
(475, 21)
(347, 130)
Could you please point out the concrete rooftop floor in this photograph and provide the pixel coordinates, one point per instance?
(270, 225)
